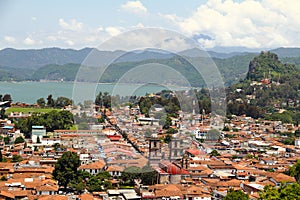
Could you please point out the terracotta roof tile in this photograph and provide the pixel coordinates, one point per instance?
(169, 191)
(95, 165)
(51, 197)
(47, 188)
(283, 178)
(86, 197)
(7, 194)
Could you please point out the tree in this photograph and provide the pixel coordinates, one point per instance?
(236, 195)
(289, 141)
(56, 146)
(168, 123)
(50, 101)
(99, 182)
(38, 140)
(2, 113)
(65, 170)
(19, 139)
(101, 119)
(148, 175)
(129, 174)
(106, 100)
(52, 120)
(289, 191)
(41, 102)
(148, 133)
(83, 126)
(285, 191)
(213, 135)
(214, 153)
(7, 140)
(62, 102)
(226, 128)
(172, 131)
(249, 156)
(7, 97)
(295, 171)
(167, 138)
(16, 158)
(99, 100)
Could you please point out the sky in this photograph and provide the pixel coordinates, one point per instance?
(33, 24)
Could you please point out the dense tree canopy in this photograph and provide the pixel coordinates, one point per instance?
(60, 102)
(41, 102)
(146, 174)
(285, 191)
(103, 99)
(66, 169)
(53, 120)
(2, 113)
(99, 182)
(214, 153)
(295, 171)
(276, 87)
(19, 139)
(236, 195)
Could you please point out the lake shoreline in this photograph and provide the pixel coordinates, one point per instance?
(30, 91)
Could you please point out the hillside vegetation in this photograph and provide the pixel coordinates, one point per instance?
(270, 90)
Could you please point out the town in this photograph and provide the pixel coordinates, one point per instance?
(125, 154)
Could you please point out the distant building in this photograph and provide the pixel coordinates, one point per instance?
(38, 131)
(149, 121)
(297, 143)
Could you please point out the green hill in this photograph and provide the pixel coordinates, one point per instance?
(267, 64)
(232, 69)
(270, 86)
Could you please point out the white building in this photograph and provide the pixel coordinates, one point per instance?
(37, 131)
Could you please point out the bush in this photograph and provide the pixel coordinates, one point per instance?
(19, 139)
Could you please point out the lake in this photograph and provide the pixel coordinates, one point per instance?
(29, 92)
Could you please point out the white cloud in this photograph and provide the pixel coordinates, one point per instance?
(29, 41)
(33, 18)
(99, 29)
(138, 39)
(73, 25)
(134, 7)
(113, 31)
(52, 38)
(9, 39)
(139, 25)
(69, 42)
(251, 23)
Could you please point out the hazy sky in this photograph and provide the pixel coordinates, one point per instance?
(78, 24)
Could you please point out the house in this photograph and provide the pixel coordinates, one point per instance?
(86, 197)
(93, 168)
(115, 170)
(56, 197)
(169, 191)
(37, 132)
(279, 178)
(251, 188)
(127, 194)
(219, 195)
(196, 193)
(201, 133)
(148, 121)
(6, 195)
(47, 189)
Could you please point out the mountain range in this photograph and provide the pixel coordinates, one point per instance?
(57, 64)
